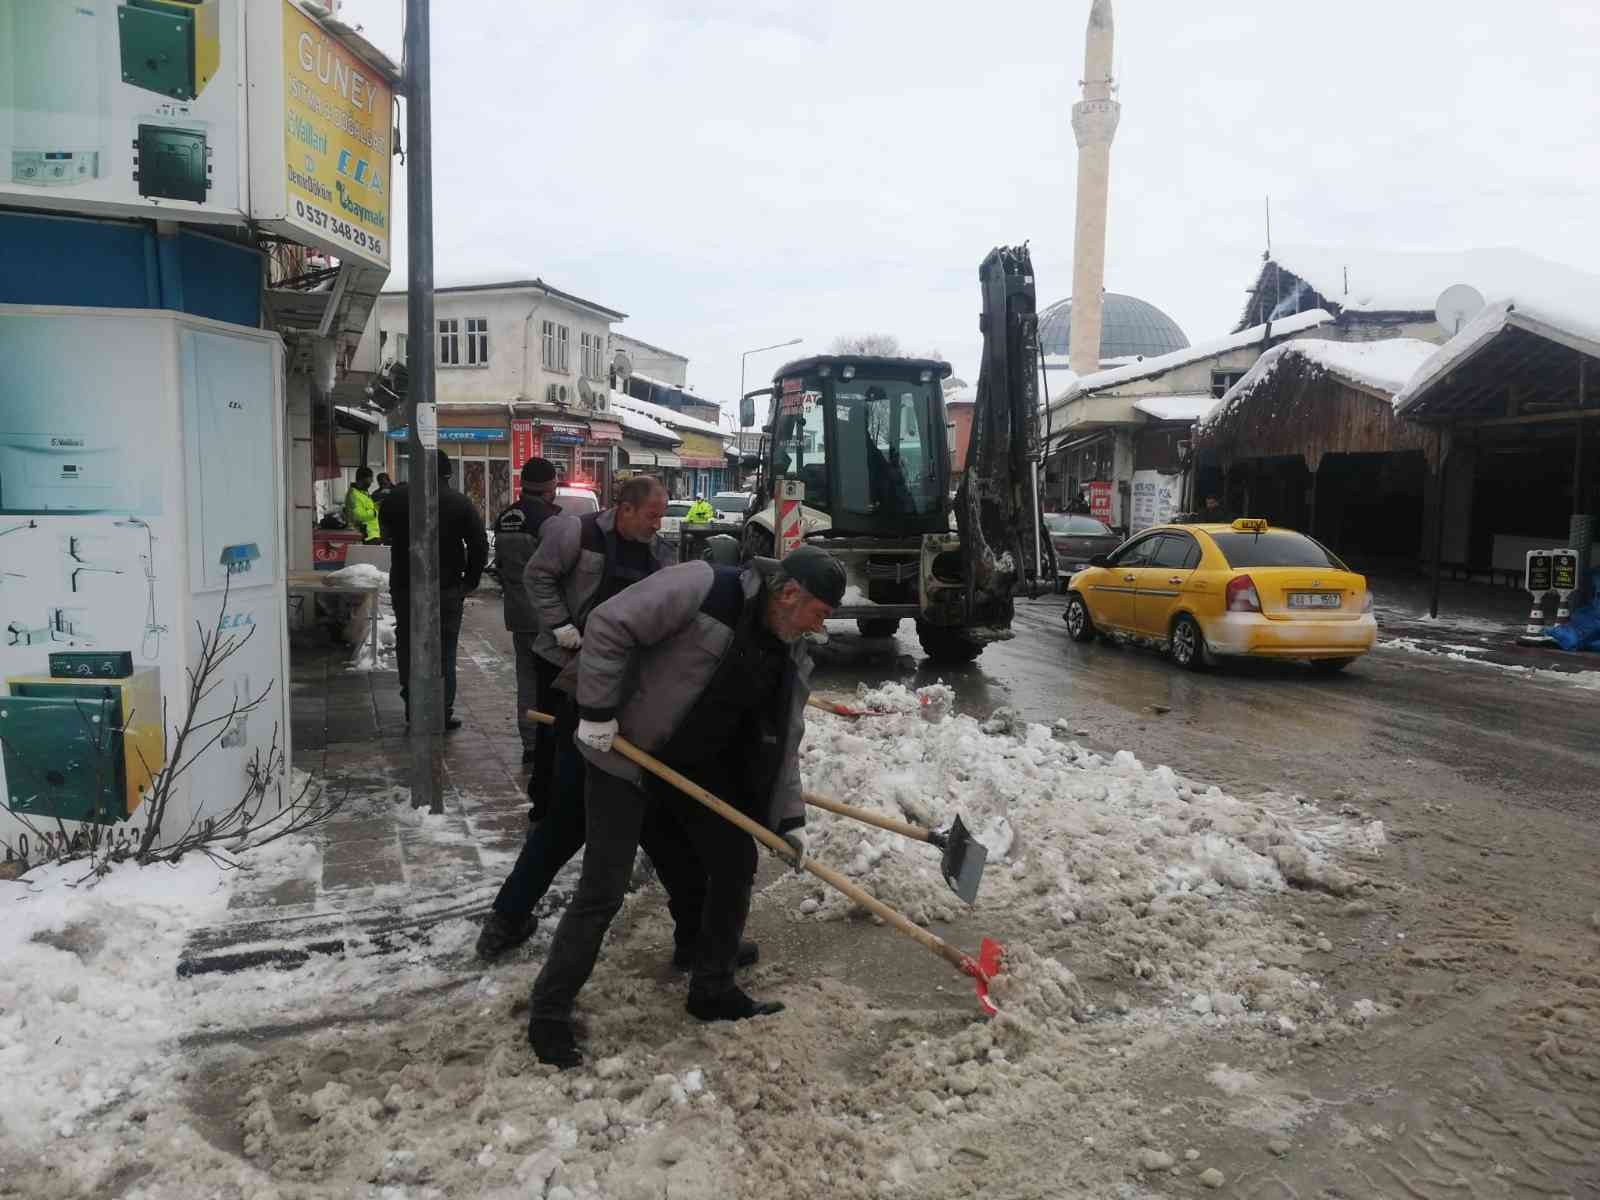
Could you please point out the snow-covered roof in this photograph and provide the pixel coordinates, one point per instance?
(1189, 406)
(637, 422)
(1411, 280)
(1382, 366)
(1145, 368)
(664, 415)
(1579, 329)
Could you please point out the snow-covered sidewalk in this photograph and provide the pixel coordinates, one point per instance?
(1148, 944)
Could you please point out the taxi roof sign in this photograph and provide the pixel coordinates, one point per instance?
(1250, 525)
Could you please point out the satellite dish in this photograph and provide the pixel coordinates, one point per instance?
(1457, 305)
(622, 365)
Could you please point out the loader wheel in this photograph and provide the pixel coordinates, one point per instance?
(877, 627)
(946, 645)
(757, 542)
(1079, 627)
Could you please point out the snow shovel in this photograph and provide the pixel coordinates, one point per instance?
(964, 857)
(844, 710)
(982, 969)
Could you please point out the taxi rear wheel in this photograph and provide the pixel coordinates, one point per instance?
(1080, 628)
(1188, 646)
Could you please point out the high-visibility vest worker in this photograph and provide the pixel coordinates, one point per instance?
(700, 512)
(360, 510)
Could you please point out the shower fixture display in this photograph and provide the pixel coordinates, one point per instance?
(150, 648)
(77, 565)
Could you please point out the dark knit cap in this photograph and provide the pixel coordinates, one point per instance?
(538, 470)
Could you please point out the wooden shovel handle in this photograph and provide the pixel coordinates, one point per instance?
(782, 848)
(915, 832)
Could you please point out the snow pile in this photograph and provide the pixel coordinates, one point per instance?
(1100, 856)
(89, 995)
(359, 575)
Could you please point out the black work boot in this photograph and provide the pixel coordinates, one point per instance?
(749, 955)
(501, 933)
(554, 1044)
(731, 1005)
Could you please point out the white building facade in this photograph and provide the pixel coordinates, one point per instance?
(522, 370)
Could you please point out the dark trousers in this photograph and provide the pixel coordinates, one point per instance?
(528, 690)
(546, 755)
(618, 813)
(452, 604)
(561, 833)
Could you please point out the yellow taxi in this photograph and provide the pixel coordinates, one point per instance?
(1215, 591)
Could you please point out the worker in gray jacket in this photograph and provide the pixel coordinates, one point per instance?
(706, 668)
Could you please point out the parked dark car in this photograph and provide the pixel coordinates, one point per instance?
(1077, 539)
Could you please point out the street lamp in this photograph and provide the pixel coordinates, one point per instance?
(758, 350)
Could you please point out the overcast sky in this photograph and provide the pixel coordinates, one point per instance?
(732, 173)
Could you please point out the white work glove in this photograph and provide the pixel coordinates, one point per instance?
(567, 637)
(596, 735)
(797, 843)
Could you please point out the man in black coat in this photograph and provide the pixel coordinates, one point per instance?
(516, 537)
(463, 554)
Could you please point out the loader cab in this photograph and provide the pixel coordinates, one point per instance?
(866, 435)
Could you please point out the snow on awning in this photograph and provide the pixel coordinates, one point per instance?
(370, 420)
(640, 425)
(1423, 395)
(1381, 367)
(640, 455)
(1190, 406)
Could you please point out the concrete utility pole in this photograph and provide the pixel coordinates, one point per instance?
(426, 686)
(1094, 122)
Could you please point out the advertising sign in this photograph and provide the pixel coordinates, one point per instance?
(123, 107)
(1154, 499)
(1537, 578)
(1100, 500)
(141, 504)
(523, 447)
(321, 120)
(1564, 571)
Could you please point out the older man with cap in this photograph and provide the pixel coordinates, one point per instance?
(516, 536)
(705, 667)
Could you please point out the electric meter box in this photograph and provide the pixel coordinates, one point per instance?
(171, 47)
(142, 506)
(81, 749)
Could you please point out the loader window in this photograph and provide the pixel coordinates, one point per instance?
(887, 456)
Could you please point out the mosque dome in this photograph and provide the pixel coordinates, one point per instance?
(1130, 328)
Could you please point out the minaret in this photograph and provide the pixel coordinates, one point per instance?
(1094, 121)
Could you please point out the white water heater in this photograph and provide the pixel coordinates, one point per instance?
(53, 54)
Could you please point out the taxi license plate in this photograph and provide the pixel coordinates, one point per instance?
(1313, 599)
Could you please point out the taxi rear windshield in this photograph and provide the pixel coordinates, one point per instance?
(1275, 548)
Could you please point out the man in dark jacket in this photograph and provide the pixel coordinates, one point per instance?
(706, 668)
(463, 554)
(516, 537)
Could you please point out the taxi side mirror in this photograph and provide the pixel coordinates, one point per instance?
(1100, 560)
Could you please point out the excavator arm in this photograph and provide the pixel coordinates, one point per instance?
(1003, 541)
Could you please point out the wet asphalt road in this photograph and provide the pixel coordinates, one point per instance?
(1394, 726)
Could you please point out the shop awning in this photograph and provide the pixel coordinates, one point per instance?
(356, 419)
(605, 431)
(640, 455)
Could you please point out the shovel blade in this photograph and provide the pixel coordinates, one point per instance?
(963, 862)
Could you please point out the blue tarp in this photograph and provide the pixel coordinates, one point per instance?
(1582, 630)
